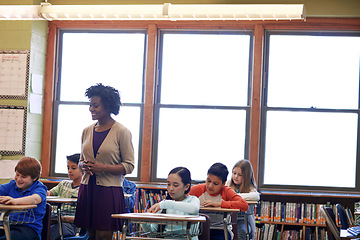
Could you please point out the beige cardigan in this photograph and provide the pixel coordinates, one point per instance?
(117, 148)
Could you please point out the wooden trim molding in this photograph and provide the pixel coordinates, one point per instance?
(48, 101)
(256, 99)
(148, 104)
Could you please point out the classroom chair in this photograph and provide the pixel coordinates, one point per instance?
(332, 230)
(205, 233)
(234, 224)
(343, 217)
(83, 235)
(45, 233)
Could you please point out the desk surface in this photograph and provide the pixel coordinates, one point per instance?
(16, 207)
(218, 209)
(55, 199)
(160, 216)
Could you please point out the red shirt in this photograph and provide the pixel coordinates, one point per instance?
(230, 199)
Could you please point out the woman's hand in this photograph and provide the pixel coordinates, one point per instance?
(154, 208)
(94, 167)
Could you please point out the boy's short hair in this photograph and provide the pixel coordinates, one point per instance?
(29, 166)
(219, 170)
(74, 158)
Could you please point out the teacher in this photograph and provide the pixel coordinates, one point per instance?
(107, 154)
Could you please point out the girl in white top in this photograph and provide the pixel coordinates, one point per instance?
(178, 185)
(243, 183)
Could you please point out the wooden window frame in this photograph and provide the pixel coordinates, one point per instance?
(258, 27)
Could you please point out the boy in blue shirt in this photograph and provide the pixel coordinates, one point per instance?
(25, 189)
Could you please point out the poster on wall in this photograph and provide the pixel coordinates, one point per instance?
(12, 130)
(14, 74)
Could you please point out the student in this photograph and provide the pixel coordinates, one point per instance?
(178, 186)
(214, 193)
(67, 189)
(129, 188)
(243, 183)
(25, 189)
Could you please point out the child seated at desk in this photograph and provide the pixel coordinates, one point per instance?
(177, 202)
(129, 188)
(243, 183)
(67, 189)
(26, 189)
(214, 193)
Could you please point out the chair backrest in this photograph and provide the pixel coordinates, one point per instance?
(333, 231)
(234, 224)
(45, 233)
(343, 217)
(83, 235)
(205, 233)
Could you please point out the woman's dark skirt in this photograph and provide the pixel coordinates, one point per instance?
(95, 205)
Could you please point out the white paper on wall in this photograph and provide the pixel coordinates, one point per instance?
(7, 169)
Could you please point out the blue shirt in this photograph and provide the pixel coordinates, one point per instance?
(129, 188)
(33, 216)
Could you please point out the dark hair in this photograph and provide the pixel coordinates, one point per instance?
(29, 166)
(219, 170)
(247, 177)
(184, 174)
(110, 97)
(74, 158)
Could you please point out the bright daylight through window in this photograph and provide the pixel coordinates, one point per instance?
(311, 110)
(112, 58)
(202, 103)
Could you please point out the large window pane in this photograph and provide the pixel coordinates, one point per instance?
(313, 71)
(205, 69)
(311, 110)
(198, 138)
(90, 57)
(202, 105)
(114, 59)
(306, 149)
(72, 119)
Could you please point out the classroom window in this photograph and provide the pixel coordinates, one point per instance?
(202, 101)
(114, 58)
(310, 114)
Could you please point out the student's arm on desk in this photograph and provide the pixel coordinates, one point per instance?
(253, 195)
(209, 203)
(28, 200)
(191, 207)
(232, 200)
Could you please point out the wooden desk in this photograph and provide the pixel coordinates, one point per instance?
(157, 218)
(7, 209)
(225, 212)
(56, 201)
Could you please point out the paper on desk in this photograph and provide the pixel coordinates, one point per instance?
(52, 197)
(169, 215)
